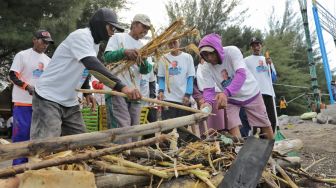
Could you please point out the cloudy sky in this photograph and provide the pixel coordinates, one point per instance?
(258, 13)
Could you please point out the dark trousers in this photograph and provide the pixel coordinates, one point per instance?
(170, 112)
(271, 113)
(245, 128)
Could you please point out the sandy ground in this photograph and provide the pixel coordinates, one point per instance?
(319, 141)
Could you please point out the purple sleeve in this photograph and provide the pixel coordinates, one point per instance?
(197, 94)
(236, 83)
(209, 95)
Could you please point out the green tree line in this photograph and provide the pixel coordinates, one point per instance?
(284, 39)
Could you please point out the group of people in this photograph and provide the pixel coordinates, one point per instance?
(45, 96)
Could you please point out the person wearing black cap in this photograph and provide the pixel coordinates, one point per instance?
(263, 70)
(56, 109)
(28, 65)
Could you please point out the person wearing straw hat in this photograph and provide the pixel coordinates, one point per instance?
(56, 110)
(124, 46)
(225, 68)
(28, 65)
(263, 70)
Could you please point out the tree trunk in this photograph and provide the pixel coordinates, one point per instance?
(34, 147)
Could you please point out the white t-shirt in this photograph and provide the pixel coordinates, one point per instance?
(65, 72)
(199, 76)
(221, 75)
(262, 73)
(30, 65)
(144, 83)
(180, 68)
(124, 40)
(145, 79)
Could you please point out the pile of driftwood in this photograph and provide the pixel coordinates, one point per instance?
(154, 162)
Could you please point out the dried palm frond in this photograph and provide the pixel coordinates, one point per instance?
(175, 31)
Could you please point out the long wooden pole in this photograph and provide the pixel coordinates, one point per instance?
(150, 100)
(33, 147)
(9, 171)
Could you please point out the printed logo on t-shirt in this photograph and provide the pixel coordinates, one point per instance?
(261, 67)
(174, 69)
(38, 72)
(226, 78)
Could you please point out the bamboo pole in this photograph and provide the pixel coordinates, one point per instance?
(163, 103)
(146, 169)
(10, 171)
(34, 147)
(106, 167)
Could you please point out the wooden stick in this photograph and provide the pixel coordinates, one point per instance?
(314, 163)
(182, 168)
(300, 172)
(9, 171)
(163, 103)
(33, 147)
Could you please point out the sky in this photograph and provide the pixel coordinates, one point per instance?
(257, 15)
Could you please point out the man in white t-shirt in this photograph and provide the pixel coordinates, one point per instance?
(28, 65)
(123, 46)
(56, 108)
(264, 72)
(226, 69)
(181, 73)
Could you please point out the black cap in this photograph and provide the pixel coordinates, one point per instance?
(44, 35)
(255, 40)
(110, 17)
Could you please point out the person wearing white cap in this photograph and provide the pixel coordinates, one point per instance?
(124, 46)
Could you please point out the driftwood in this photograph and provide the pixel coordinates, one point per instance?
(150, 100)
(9, 171)
(33, 147)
